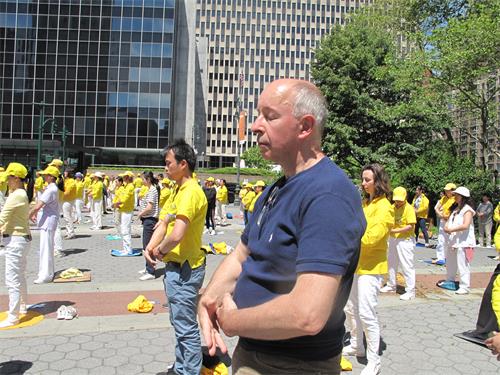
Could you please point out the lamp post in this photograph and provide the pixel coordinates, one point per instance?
(63, 133)
(41, 126)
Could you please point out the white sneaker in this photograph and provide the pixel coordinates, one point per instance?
(70, 313)
(350, 351)
(462, 291)
(372, 368)
(8, 323)
(205, 230)
(387, 289)
(61, 312)
(142, 272)
(147, 276)
(41, 281)
(58, 254)
(407, 296)
(212, 232)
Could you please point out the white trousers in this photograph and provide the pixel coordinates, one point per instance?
(117, 220)
(126, 228)
(58, 242)
(220, 212)
(78, 209)
(97, 213)
(68, 208)
(456, 261)
(2, 200)
(362, 316)
(46, 256)
(16, 250)
(401, 253)
(442, 241)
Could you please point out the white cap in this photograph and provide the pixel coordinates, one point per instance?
(98, 174)
(463, 191)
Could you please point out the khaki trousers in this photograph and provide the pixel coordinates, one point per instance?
(246, 362)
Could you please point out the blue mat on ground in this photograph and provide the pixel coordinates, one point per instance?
(448, 285)
(420, 245)
(434, 264)
(133, 253)
(112, 237)
(229, 215)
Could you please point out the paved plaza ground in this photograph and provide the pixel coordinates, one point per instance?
(107, 339)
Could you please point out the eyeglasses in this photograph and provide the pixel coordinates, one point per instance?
(270, 200)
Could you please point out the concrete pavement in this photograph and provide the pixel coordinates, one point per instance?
(107, 339)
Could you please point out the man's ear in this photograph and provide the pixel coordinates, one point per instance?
(307, 125)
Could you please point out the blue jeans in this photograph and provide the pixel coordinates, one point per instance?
(148, 224)
(421, 224)
(181, 287)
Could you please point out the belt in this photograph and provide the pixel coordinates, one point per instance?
(26, 237)
(173, 264)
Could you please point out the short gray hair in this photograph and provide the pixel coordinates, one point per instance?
(310, 101)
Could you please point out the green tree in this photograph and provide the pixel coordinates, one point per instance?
(437, 166)
(253, 159)
(376, 112)
(457, 44)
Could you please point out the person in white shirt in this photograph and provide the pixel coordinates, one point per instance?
(462, 240)
(47, 222)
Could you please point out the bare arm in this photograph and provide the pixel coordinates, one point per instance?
(172, 240)
(303, 311)
(223, 281)
(464, 226)
(406, 228)
(34, 211)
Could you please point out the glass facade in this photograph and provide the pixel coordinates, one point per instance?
(104, 68)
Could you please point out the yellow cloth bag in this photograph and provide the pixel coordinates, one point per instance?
(70, 273)
(220, 369)
(140, 305)
(345, 364)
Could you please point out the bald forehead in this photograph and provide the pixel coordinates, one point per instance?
(285, 90)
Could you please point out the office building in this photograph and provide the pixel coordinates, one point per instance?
(105, 71)
(254, 42)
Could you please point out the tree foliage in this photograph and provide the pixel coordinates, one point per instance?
(377, 113)
(253, 159)
(437, 166)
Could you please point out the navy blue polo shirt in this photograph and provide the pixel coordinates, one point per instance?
(310, 222)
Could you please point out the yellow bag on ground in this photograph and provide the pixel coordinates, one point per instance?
(140, 305)
(220, 369)
(70, 273)
(345, 364)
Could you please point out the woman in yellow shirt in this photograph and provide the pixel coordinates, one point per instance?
(402, 245)
(360, 309)
(496, 239)
(14, 227)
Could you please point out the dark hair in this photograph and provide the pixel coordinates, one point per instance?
(148, 175)
(30, 183)
(182, 151)
(466, 200)
(222, 179)
(120, 178)
(69, 172)
(421, 188)
(380, 179)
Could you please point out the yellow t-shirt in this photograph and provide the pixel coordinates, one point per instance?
(165, 192)
(87, 181)
(39, 183)
(79, 189)
(96, 189)
(138, 182)
(69, 190)
(423, 208)
(144, 190)
(495, 298)
(446, 203)
(14, 215)
(126, 197)
(190, 202)
(254, 200)
(379, 215)
(248, 198)
(402, 217)
(496, 214)
(222, 195)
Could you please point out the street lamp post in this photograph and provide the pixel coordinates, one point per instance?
(41, 127)
(63, 133)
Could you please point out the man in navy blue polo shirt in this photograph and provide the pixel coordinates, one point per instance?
(283, 289)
